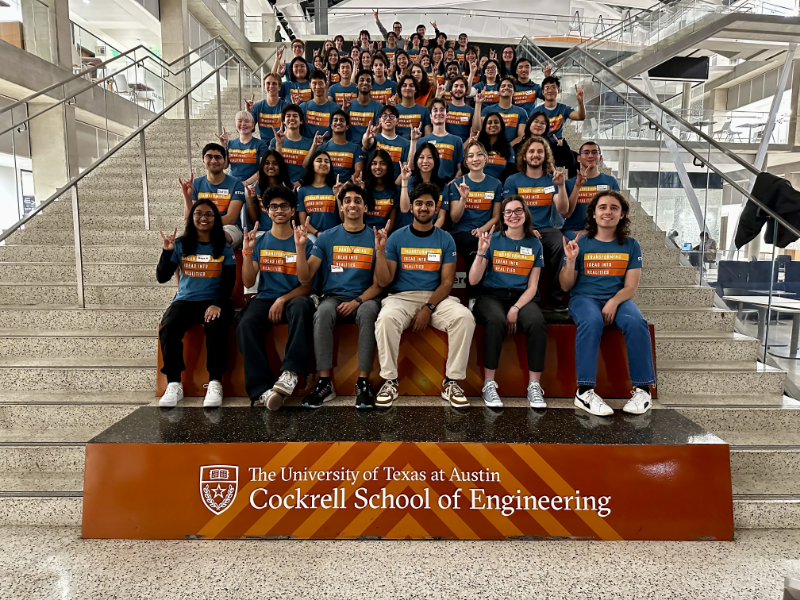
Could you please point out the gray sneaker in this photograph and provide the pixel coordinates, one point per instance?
(490, 396)
(536, 395)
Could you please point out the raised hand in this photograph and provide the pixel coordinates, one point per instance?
(223, 139)
(480, 97)
(580, 179)
(319, 139)
(375, 12)
(337, 187)
(433, 24)
(548, 70)
(484, 239)
(392, 101)
(452, 43)
(473, 137)
(168, 241)
(381, 235)
(279, 52)
(463, 188)
(248, 104)
(294, 93)
(416, 133)
(186, 185)
(249, 239)
(579, 93)
(558, 176)
(250, 192)
(300, 233)
(357, 180)
(571, 249)
(346, 102)
(440, 91)
(493, 54)
(280, 135)
(281, 66)
(405, 172)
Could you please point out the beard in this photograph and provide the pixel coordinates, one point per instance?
(424, 220)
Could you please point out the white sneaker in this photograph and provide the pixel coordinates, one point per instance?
(593, 404)
(273, 399)
(172, 395)
(453, 393)
(536, 395)
(639, 403)
(213, 394)
(386, 395)
(490, 396)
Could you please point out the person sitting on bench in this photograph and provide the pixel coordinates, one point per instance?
(602, 269)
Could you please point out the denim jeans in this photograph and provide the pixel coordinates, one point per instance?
(587, 316)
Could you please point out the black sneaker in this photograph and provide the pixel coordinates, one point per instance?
(365, 397)
(559, 307)
(322, 393)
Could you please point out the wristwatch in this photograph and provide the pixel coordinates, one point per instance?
(432, 307)
(358, 299)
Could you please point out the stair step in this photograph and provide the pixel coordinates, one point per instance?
(52, 510)
(705, 345)
(44, 343)
(21, 416)
(41, 482)
(689, 318)
(91, 254)
(776, 462)
(61, 318)
(741, 399)
(42, 459)
(654, 274)
(769, 511)
(720, 378)
(111, 223)
(659, 295)
(770, 420)
(125, 397)
(90, 374)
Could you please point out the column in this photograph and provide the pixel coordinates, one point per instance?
(54, 149)
(175, 42)
(321, 17)
(269, 23)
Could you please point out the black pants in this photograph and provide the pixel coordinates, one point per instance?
(182, 315)
(491, 310)
(251, 332)
(553, 245)
(467, 247)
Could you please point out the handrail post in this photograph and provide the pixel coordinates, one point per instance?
(219, 105)
(76, 228)
(239, 72)
(145, 190)
(188, 132)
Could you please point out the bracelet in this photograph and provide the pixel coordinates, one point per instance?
(480, 256)
(247, 252)
(515, 306)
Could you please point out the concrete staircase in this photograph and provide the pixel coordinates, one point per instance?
(67, 373)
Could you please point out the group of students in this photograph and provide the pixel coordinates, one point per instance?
(356, 208)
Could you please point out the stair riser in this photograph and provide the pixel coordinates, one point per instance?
(42, 459)
(722, 350)
(719, 383)
(32, 295)
(116, 208)
(778, 464)
(654, 275)
(689, 320)
(52, 512)
(75, 347)
(674, 297)
(733, 420)
(89, 237)
(61, 416)
(762, 514)
(82, 319)
(54, 379)
(110, 223)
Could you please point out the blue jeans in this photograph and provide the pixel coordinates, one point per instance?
(570, 235)
(587, 316)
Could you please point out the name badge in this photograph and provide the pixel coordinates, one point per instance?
(203, 257)
(526, 251)
(488, 195)
(602, 188)
(222, 191)
(550, 190)
(290, 258)
(434, 256)
(336, 269)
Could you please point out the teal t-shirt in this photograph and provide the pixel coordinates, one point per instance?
(340, 92)
(557, 116)
(385, 200)
(451, 153)
(416, 116)
(443, 203)
(538, 193)
(381, 92)
(267, 117)
(294, 153)
(491, 92)
(509, 262)
(361, 117)
(201, 273)
(348, 261)
(419, 259)
(526, 94)
(319, 204)
(480, 202)
(230, 190)
(459, 120)
(318, 117)
(397, 148)
(577, 220)
(244, 158)
(277, 262)
(602, 266)
(513, 117)
(304, 88)
(344, 158)
(496, 163)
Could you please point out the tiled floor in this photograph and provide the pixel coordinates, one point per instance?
(55, 563)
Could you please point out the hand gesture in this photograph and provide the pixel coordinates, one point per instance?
(248, 104)
(381, 235)
(580, 179)
(578, 235)
(346, 100)
(186, 185)
(168, 241)
(249, 239)
(484, 239)
(375, 12)
(559, 141)
(250, 192)
(391, 63)
(463, 188)
(337, 187)
(276, 311)
(433, 24)
(392, 101)
(480, 97)
(440, 91)
(279, 52)
(473, 67)
(420, 321)
(212, 312)
(281, 66)
(558, 176)
(280, 135)
(300, 234)
(319, 139)
(493, 54)
(570, 249)
(416, 133)
(371, 47)
(579, 93)
(405, 172)
(296, 185)
(357, 180)
(473, 137)
(355, 43)
(223, 139)
(511, 320)
(347, 308)
(294, 93)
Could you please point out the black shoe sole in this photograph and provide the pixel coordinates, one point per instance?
(328, 398)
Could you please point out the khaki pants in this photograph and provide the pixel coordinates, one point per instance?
(450, 316)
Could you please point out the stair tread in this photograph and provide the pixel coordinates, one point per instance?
(765, 483)
(732, 366)
(78, 362)
(670, 400)
(84, 333)
(41, 482)
(20, 435)
(77, 397)
(704, 335)
(760, 438)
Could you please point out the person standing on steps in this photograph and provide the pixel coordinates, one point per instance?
(316, 201)
(272, 171)
(225, 191)
(382, 193)
(245, 153)
(298, 88)
(290, 142)
(509, 262)
(364, 112)
(459, 114)
(345, 259)
(412, 115)
(348, 157)
(514, 117)
(344, 91)
(281, 299)
(317, 111)
(582, 188)
(208, 274)
(543, 189)
(383, 136)
(425, 170)
(501, 161)
(558, 113)
(602, 271)
(418, 264)
(449, 147)
(526, 92)
(267, 112)
(382, 87)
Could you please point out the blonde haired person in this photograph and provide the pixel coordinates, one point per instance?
(246, 152)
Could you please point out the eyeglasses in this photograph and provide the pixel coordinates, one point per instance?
(590, 152)
(280, 207)
(388, 117)
(550, 88)
(200, 215)
(216, 157)
(516, 212)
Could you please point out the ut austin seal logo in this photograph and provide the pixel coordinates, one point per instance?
(218, 487)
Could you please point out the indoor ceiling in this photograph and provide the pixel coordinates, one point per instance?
(122, 24)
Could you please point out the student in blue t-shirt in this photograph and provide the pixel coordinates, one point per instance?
(207, 277)
(272, 171)
(545, 193)
(425, 170)
(298, 89)
(290, 142)
(474, 206)
(509, 262)
(384, 137)
(602, 271)
(383, 88)
(364, 112)
(246, 152)
(345, 259)
(383, 194)
(558, 113)
(348, 157)
(412, 115)
(501, 161)
(281, 298)
(582, 188)
(225, 191)
(267, 112)
(526, 92)
(317, 111)
(449, 147)
(513, 116)
(417, 265)
(344, 91)
(316, 202)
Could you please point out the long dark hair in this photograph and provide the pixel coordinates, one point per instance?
(528, 133)
(501, 146)
(417, 175)
(397, 72)
(309, 174)
(291, 68)
(283, 171)
(189, 237)
(370, 181)
(512, 71)
(623, 227)
(424, 84)
(527, 227)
